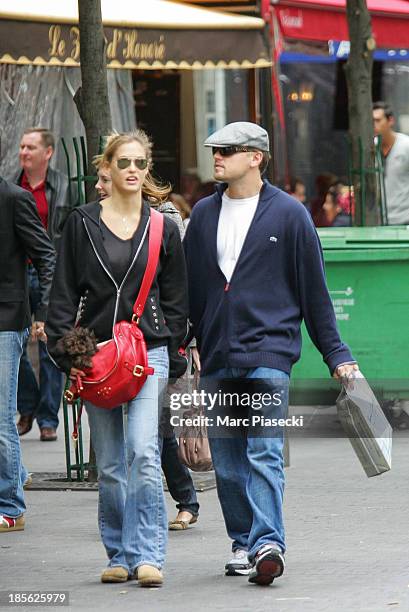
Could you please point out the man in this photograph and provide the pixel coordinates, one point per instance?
(395, 151)
(50, 190)
(255, 270)
(22, 236)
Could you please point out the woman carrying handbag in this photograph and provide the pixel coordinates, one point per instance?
(99, 273)
(178, 478)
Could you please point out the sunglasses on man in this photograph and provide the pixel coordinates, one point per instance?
(232, 150)
(124, 162)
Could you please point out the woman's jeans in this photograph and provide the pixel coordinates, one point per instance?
(12, 473)
(132, 511)
(250, 472)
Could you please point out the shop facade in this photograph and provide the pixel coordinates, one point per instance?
(310, 45)
(178, 71)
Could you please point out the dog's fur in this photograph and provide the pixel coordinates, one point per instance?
(81, 344)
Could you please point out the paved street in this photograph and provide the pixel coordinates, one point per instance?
(347, 542)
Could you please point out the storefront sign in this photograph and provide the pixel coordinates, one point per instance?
(340, 50)
(121, 44)
(59, 44)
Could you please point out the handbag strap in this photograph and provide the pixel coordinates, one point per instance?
(155, 241)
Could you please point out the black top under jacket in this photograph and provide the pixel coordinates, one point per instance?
(84, 277)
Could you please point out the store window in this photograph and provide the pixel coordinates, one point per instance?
(395, 91)
(220, 97)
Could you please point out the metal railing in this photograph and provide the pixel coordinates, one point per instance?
(77, 468)
(363, 172)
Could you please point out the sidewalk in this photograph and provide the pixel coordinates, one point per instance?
(346, 537)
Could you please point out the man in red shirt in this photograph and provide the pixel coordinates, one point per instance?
(50, 190)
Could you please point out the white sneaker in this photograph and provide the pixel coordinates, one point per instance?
(268, 564)
(239, 564)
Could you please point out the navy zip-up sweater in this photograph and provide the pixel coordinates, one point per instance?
(279, 280)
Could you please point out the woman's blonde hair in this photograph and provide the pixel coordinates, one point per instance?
(151, 189)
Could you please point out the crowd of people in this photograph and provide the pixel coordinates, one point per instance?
(333, 204)
(218, 247)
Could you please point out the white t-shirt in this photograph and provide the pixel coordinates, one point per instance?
(397, 181)
(235, 218)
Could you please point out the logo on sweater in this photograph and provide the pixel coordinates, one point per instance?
(273, 239)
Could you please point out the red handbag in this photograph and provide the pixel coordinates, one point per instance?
(120, 366)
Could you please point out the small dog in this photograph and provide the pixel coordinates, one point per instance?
(81, 344)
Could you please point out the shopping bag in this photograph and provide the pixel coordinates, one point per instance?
(366, 426)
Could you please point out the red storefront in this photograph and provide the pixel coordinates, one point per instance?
(310, 46)
(323, 20)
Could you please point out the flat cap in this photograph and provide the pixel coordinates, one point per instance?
(240, 133)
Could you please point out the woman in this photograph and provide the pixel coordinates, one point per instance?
(182, 206)
(334, 213)
(103, 185)
(178, 478)
(101, 263)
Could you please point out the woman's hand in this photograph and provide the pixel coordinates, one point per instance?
(196, 359)
(74, 372)
(37, 331)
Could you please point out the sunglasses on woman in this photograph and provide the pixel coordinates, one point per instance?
(124, 162)
(229, 151)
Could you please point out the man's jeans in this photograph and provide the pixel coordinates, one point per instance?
(12, 473)
(132, 511)
(250, 472)
(42, 401)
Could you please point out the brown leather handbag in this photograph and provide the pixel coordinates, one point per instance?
(194, 449)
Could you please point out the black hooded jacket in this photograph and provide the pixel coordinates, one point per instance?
(22, 235)
(84, 284)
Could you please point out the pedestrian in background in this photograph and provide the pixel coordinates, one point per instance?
(296, 188)
(255, 271)
(111, 237)
(103, 186)
(333, 207)
(50, 190)
(182, 206)
(322, 183)
(395, 151)
(22, 237)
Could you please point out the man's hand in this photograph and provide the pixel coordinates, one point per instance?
(346, 372)
(37, 331)
(196, 359)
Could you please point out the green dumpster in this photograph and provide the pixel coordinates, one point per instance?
(367, 272)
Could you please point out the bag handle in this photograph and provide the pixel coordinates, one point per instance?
(155, 241)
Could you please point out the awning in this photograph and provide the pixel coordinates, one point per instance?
(148, 34)
(324, 20)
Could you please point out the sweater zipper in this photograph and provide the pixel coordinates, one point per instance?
(118, 289)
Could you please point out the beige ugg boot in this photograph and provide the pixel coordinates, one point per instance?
(149, 576)
(114, 574)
